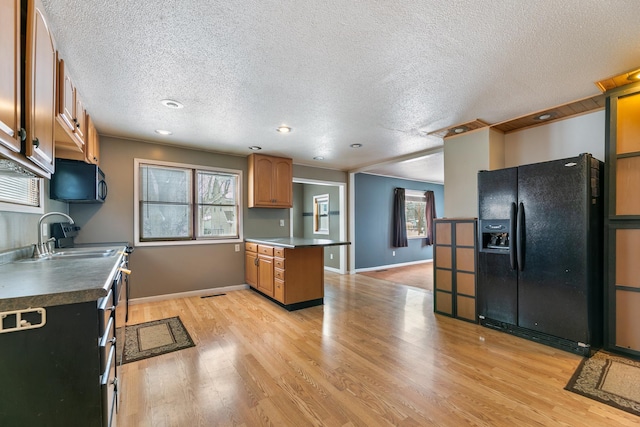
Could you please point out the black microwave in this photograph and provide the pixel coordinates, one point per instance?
(77, 182)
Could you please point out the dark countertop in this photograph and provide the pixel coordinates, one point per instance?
(295, 242)
(44, 283)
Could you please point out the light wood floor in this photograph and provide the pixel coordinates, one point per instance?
(371, 356)
(418, 275)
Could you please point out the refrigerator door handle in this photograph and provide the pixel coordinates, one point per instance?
(519, 237)
(512, 235)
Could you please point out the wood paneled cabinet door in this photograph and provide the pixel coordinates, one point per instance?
(251, 268)
(70, 119)
(10, 84)
(265, 274)
(622, 220)
(40, 89)
(270, 182)
(92, 145)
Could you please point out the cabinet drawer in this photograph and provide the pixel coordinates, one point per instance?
(265, 250)
(108, 382)
(251, 247)
(278, 291)
(105, 310)
(278, 273)
(278, 263)
(107, 342)
(279, 252)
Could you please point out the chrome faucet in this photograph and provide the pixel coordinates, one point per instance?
(42, 249)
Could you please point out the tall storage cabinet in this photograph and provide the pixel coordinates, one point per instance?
(622, 220)
(455, 268)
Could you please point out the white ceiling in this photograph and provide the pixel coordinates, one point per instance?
(380, 74)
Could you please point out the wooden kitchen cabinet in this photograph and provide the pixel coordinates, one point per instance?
(40, 89)
(259, 267)
(293, 277)
(622, 220)
(70, 115)
(10, 84)
(455, 268)
(251, 264)
(270, 182)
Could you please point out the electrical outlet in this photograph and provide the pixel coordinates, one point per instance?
(282, 223)
(393, 253)
(45, 230)
(330, 256)
(237, 248)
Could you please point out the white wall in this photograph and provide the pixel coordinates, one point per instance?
(464, 156)
(557, 140)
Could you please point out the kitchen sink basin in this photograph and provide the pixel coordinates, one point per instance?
(73, 254)
(83, 253)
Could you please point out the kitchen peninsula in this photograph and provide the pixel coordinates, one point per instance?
(288, 270)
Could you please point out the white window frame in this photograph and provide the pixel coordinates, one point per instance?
(20, 208)
(136, 204)
(317, 200)
(413, 193)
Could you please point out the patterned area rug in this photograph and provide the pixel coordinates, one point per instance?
(154, 338)
(609, 379)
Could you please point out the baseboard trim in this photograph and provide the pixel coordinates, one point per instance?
(189, 294)
(402, 264)
(334, 270)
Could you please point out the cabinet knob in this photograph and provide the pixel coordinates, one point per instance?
(22, 134)
(36, 143)
(77, 125)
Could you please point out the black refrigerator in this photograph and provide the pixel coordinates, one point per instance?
(540, 252)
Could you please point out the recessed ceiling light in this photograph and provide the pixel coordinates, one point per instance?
(544, 116)
(255, 148)
(163, 132)
(459, 129)
(355, 145)
(318, 158)
(283, 129)
(634, 76)
(170, 103)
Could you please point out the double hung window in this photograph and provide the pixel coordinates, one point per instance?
(181, 203)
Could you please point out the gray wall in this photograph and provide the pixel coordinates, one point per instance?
(172, 269)
(310, 190)
(373, 221)
(21, 229)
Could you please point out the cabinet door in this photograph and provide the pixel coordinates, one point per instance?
(40, 89)
(265, 275)
(282, 186)
(66, 95)
(10, 71)
(80, 118)
(262, 181)
(250, 269)
(92, 145)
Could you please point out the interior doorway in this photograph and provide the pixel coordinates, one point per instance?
(304, 218)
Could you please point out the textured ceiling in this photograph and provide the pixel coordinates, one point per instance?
(380, 74)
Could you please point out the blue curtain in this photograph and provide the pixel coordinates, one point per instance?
(399, 220)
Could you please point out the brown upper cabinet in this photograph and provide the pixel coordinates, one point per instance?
(93, 143)
(40, 89)
(71, 115)
(10, 85)
(270, 181)
(32, 146)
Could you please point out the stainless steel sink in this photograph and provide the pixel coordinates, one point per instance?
(83, 253)
(74, 253)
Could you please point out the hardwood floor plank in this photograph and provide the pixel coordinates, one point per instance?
(374, 354)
